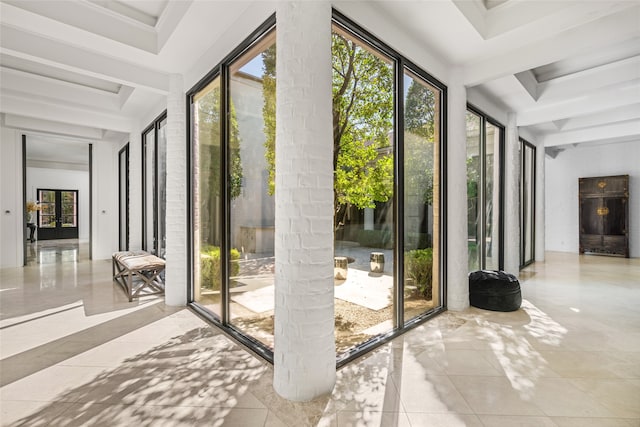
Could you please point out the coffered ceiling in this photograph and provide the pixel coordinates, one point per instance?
(97, 69)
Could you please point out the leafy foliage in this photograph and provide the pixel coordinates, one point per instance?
(418, 266)
(210, 275)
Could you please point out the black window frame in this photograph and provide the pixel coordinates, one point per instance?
(484, 119)
(155, 127)
(524, 205)
(221, 70)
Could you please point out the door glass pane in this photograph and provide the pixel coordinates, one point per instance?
(162, 189)
(205, 112)
(492, 197)
(149, 190)
(47, 216)
(421, 161)
(69, 208)
(251, 133)
(474, 164)
(363, 141)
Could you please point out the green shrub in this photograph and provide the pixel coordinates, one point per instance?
(210, 277)
(418, 265)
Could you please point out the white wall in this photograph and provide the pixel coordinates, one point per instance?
(60, 179)
(11, 209)
(105, 196)
(561, 196)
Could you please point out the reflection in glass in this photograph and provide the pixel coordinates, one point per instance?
(251, 133)
(47, 214)
(207, 278)
(363, 109)
(69, 208)
(491, 199)
(149, 209)
(421, 190)
(527, 202)
(474, 204)
(161, 192)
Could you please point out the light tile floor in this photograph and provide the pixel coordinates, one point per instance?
(76, 353)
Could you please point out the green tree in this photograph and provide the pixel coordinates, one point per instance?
(208, 123)
(362, 125)
(419, 139)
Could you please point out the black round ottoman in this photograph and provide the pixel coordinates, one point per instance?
(494, 290)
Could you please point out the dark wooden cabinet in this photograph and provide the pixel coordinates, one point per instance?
(604, 215)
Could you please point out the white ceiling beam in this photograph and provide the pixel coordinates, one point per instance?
(86, 16)
(603, 33)
(33, 84)
(553, 16)
(616, 115)
(529, 83)
(627, 129)
(591, 103)
(578, 84)
(52, 111)
(50, 127)
(169, 20)
(29, 46)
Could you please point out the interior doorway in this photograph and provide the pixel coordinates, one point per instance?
(57, 198)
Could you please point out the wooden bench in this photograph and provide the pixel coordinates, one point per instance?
(139, 273)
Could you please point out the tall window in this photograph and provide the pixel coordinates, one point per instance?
(527, 202)
(387, 183)
(387, 141)
(233, 141)
(154, 186)
(123, 198)
(485, 141)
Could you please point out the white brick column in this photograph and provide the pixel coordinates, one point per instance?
(135, 189)
(512, 198)
(176, 208)
(457, 249)
(540, 203)
(304, 353)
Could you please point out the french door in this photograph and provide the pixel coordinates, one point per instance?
(58, 215)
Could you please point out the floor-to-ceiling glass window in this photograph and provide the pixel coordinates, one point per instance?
(154, 175)
(123, 198)
(387, 140)
(485, 141)
(527, 202)
(206, 197)
(250, 128)
(387, 186)
(421, 194)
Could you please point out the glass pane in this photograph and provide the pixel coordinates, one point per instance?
(421, 161)
(205, 112)
(123, 203)
(492, 197)
(251, 133)
(47, 217)
(363, 111)
(162, 189)
(529, 159)
(149, 191)
(474, 165)
(69, 208)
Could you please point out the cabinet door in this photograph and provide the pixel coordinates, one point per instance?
(616, 184)
(614, 216)
(590, 221)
